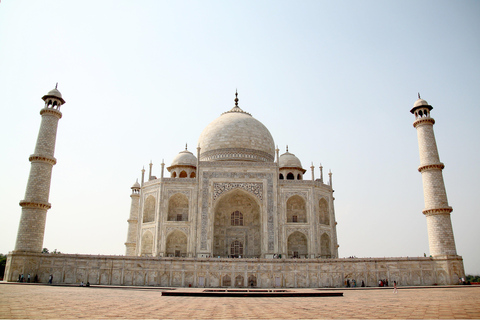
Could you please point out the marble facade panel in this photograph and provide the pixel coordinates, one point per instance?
(115, 270)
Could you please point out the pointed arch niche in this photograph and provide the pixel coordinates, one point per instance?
(325, 246)
(178, 207)
(147, 244)
(323, 212)
(149, 209)
(240, 203)
(297, 245)
(296, 209)
(176, 244)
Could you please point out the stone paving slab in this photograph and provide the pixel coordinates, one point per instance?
(27, 301)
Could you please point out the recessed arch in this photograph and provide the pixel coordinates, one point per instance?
(149, 209)
(325, 246)
(297, 245)
(249, 234)
(296, 209)
(290, 176)
(323, 212)
(252, 281)
(183, 174)
(176, 244)
(226, 281)
(192, 175)
(174, 174)
(147, 244)
(280, 176)
(239, 281)
(178, 207)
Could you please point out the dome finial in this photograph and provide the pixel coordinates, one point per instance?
(185, 146)
(236, 98)
(419, 95)
(56, 85)
(287, 147)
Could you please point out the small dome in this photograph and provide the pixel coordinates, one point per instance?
(289, 160)
(136, 185)
(419, 103)
(184, 158)
(54, 92)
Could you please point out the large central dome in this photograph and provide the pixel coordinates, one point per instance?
(236, 136)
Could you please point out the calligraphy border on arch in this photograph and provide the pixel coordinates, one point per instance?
(254, 188)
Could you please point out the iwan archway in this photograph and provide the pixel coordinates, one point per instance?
(237, 226)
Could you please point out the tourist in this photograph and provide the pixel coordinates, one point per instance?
(363, 283)
(50, 279)
(395, 286)
(28, 277)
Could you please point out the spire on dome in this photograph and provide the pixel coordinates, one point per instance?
(419, 95)
(236, 108)
(185, 146)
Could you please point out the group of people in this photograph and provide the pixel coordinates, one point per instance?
(353, 283)
(28, 278)
(383, 283)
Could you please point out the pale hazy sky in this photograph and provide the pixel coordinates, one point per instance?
(333, 80)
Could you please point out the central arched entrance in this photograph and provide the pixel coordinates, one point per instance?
(236, 230)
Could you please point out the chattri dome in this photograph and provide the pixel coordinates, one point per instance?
(236, 136)
(289, 160)
(184, 158)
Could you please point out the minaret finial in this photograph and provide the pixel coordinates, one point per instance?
(236, 98)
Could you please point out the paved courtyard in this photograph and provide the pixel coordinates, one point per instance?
(20, 301)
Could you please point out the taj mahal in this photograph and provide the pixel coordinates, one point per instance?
(237, 213)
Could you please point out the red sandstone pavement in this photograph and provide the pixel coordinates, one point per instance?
(33, 301)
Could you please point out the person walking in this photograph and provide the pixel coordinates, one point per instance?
(395, 290)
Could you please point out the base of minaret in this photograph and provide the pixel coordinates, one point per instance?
(440, 232)
(31, 230)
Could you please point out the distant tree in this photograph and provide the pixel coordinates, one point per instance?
(55, 251)
(472, 278)
(3, 261)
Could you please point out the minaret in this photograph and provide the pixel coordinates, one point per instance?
(437, 210)
(31, 229)
(131, 243)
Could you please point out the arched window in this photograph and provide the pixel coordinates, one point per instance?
(236, 249)
(290, 176)
(183, 174)
(192, 175)
(237, 218)
(174, 174)
(149, 209)
(281, 176)
(299, 176)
